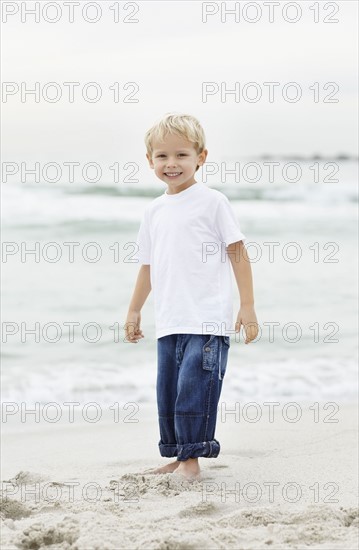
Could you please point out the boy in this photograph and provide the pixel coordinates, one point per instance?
(184, 241)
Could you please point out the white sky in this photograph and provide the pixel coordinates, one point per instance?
(169, 53)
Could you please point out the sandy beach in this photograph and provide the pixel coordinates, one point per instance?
(276, 484)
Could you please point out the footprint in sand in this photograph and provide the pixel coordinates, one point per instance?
(12, 509)
(201, 509)
(26, 477)
(166, 484)
(38, 535)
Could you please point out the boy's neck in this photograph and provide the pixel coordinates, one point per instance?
(179, 188)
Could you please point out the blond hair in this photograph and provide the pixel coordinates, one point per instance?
(186, 126)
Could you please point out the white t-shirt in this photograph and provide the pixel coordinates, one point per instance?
(183, 237)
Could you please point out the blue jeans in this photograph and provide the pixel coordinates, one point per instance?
(190, 371)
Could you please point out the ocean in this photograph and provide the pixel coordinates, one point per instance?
(67, 279)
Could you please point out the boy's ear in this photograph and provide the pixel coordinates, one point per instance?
(203, 156)
(149, 160)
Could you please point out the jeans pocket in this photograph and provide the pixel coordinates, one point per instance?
(225, 345)
(227, 340)
(209, 353)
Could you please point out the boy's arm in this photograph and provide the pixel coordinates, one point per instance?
(140, 293)
(237, 253)
(142, 289)
(241, 265)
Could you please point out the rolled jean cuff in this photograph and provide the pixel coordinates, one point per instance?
(168, 450)
(206, 449)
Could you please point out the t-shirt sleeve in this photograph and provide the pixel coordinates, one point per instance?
(143, 241)
(227, 225)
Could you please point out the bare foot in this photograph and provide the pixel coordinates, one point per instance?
(167, 469)
(189, 469)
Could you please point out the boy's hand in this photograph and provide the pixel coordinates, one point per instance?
(247, 317)
(132, 327)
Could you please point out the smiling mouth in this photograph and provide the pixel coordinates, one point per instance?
(172, 174)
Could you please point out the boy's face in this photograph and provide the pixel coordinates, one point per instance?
(176, 156)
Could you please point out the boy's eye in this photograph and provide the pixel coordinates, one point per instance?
(180, 154)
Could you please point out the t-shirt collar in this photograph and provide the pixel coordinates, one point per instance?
(183, 193)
